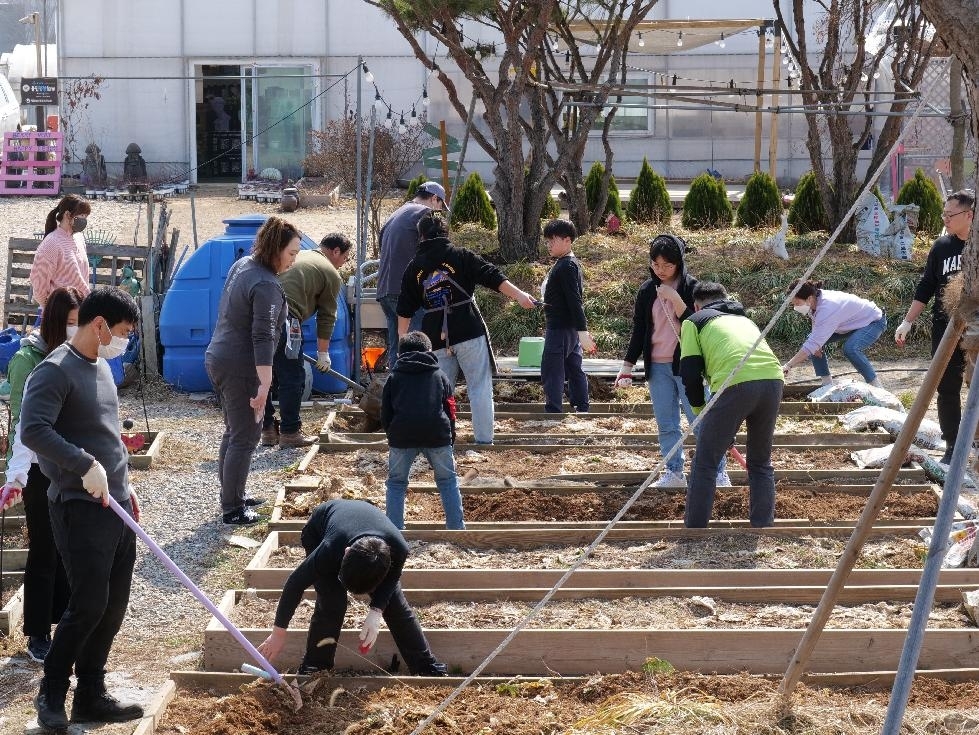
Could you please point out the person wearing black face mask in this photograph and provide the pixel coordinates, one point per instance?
(61, 260)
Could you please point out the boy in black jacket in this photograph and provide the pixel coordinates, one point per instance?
(565, 331)
(418, 412)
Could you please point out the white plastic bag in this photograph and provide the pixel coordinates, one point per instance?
(875, 457)
(928, 436)
(855, 390)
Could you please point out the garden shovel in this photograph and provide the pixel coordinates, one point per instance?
(205, 601)
(370, 407)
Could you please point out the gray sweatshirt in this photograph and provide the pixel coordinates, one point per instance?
(69, 418)
(250, 318)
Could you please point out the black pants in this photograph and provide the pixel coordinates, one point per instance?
(327, 621)
(99, 553)
(949, 398)
(45, 582)
(289, 382)
(560, 361)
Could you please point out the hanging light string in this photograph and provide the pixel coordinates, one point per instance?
(410, 115)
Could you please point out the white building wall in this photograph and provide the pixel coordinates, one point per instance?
(128, 38)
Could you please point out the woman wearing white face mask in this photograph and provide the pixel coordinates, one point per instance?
(61, 260)
(836, 316)
(45, 582)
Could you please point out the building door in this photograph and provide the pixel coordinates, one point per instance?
(277, 102)
(218, 123)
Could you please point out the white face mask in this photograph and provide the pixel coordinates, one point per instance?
(116, 346)
(71, 330)
(803, 309)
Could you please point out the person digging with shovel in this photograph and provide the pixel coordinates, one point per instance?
(351, 546)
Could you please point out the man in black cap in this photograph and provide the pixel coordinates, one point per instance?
(399, 243)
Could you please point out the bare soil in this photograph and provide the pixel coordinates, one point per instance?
(677, 703)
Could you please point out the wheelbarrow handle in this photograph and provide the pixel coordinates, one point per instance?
(334, 374)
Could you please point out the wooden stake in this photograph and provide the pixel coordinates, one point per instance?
(759, 98)
(445, 160)
(949, 343)
(773, 118)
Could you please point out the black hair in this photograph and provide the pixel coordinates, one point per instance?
(965, 197)
(365, 565)
(807, 289)
(668, 247)
(336, 241)
(112, 304)
(70, 203)
(414, 342)
(707, 292)
(432, 225)
(560, 228)
(54, 318)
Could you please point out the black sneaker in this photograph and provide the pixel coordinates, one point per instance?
(947, 457)
(435, 669)
(95, 706)
(254, 502)
(50, 705)
(243, 517)
(38, 647)
(310, 670)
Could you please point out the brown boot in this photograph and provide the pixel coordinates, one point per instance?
(270, 435)
(296, 439)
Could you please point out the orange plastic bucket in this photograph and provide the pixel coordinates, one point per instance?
(370, 356)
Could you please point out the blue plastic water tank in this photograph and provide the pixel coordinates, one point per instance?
(9, 344)
(190, 310)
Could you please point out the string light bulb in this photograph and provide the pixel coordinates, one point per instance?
(378, 102)
(642, 42)
(426, 100)
(413, 120)
(388, 121)
(679, 39)
(721, 42)
(402, 128)
(769, 40)
(368, 75)
(876, 73)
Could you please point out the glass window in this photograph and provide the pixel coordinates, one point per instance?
(632, 115)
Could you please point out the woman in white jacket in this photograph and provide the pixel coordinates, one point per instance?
(836, 316)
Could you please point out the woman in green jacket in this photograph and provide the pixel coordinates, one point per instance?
(45, 582)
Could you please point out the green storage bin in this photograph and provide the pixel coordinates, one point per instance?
(531, 351)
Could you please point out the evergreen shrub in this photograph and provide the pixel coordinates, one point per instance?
(650, 201)
(761, 205)
(806, 213)
(922, 191)
(593, 185)
(472, 204)
(706, 205)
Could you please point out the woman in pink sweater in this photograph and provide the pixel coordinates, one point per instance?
(61, 260)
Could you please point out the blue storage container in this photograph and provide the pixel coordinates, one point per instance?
(190, 309)
(9, 344)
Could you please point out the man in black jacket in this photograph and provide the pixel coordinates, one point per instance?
(351, 547)
(441, 279)
(418, 412)
(944, 261)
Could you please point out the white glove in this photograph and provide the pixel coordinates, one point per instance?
(587, 343)
(902, 332)
(368, 633)
(10, 494)
(323, 361)
(96, 482)
(624, 378)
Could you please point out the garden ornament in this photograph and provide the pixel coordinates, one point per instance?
(134, 167)
(93, 167)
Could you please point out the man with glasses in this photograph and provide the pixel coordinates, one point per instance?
(351, 546)
(312, 286)
(944, 261)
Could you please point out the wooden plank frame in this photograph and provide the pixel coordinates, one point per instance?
(145, 461)
(584, 652)
(13, 612)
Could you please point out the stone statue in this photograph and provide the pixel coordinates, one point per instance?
(134, 168)
(93, 167)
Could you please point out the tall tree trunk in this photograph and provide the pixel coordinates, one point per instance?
(959, 121)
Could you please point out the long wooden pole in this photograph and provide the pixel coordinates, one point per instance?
(949, 343)
(759, 97)
(445, 160)
(773, 119)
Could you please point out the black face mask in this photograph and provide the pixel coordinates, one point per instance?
(78, 224)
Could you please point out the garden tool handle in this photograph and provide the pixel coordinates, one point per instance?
(739, 457)
(334, 374)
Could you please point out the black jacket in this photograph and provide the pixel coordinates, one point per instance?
(944, 261)
(426, 285)
(417, 405)
(641, 341)
(563, 298)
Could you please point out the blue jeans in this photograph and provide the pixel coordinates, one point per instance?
(289, 377)
(389, 305)
(855, 343)
(473, 358)
(562, 360)
(668, 396)
(442, 461)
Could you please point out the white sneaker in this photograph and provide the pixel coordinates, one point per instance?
(669, 478)
(723, 479)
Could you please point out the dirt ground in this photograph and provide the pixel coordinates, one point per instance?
(652, 703)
